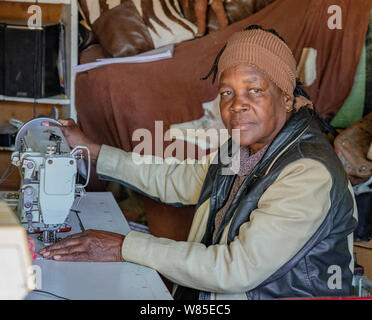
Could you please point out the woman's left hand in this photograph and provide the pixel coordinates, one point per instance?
(90, 245)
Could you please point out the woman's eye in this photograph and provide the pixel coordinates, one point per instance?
(254, 90)
(225, 93)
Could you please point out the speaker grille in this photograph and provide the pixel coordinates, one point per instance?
(31, 61)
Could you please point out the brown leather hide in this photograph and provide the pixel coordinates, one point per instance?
(352, 146)
(236, 10)
(121, 31)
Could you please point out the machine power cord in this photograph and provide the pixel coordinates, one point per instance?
(49, 293)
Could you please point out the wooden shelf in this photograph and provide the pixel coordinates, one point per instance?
(12, 148)
(42, 1)
(69, 17)
(60, 100)
(65, 11)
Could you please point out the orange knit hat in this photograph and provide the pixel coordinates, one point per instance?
(264, 51)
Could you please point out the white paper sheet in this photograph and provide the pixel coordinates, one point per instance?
(165, 52)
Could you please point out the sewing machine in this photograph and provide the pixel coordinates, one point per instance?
(52, 200)
(49, 172)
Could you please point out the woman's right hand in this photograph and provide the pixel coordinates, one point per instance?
(75, 137)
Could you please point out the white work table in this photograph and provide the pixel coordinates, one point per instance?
(97, 280)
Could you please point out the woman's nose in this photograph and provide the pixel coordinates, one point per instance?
(239, 105)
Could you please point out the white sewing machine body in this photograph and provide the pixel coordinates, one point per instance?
(48, 171)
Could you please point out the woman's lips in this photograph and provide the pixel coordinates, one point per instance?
(241, 125)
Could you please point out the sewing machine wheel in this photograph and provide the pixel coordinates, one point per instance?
(32, 123)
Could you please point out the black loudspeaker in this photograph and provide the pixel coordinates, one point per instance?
(31, 61)
(2, 54)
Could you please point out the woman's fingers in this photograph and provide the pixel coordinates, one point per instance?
(67, 122)
(68, 242)
(76, 256)
(49, 124)
(75, 137)
(91, 245)
(64, 251)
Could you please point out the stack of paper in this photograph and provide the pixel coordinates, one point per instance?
(165, 52)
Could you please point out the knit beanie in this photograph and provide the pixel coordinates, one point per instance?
(264, 51)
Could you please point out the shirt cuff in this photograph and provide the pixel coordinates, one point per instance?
(134, 245)
(105, 161)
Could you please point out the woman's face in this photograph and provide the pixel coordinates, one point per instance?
(253, 104)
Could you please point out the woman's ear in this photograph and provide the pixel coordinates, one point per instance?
(288, 100)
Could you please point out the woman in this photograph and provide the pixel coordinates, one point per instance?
(276, 227)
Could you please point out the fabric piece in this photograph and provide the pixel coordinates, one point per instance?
(352, 109)
(211, 122)
(306, 69)
(32, 248)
